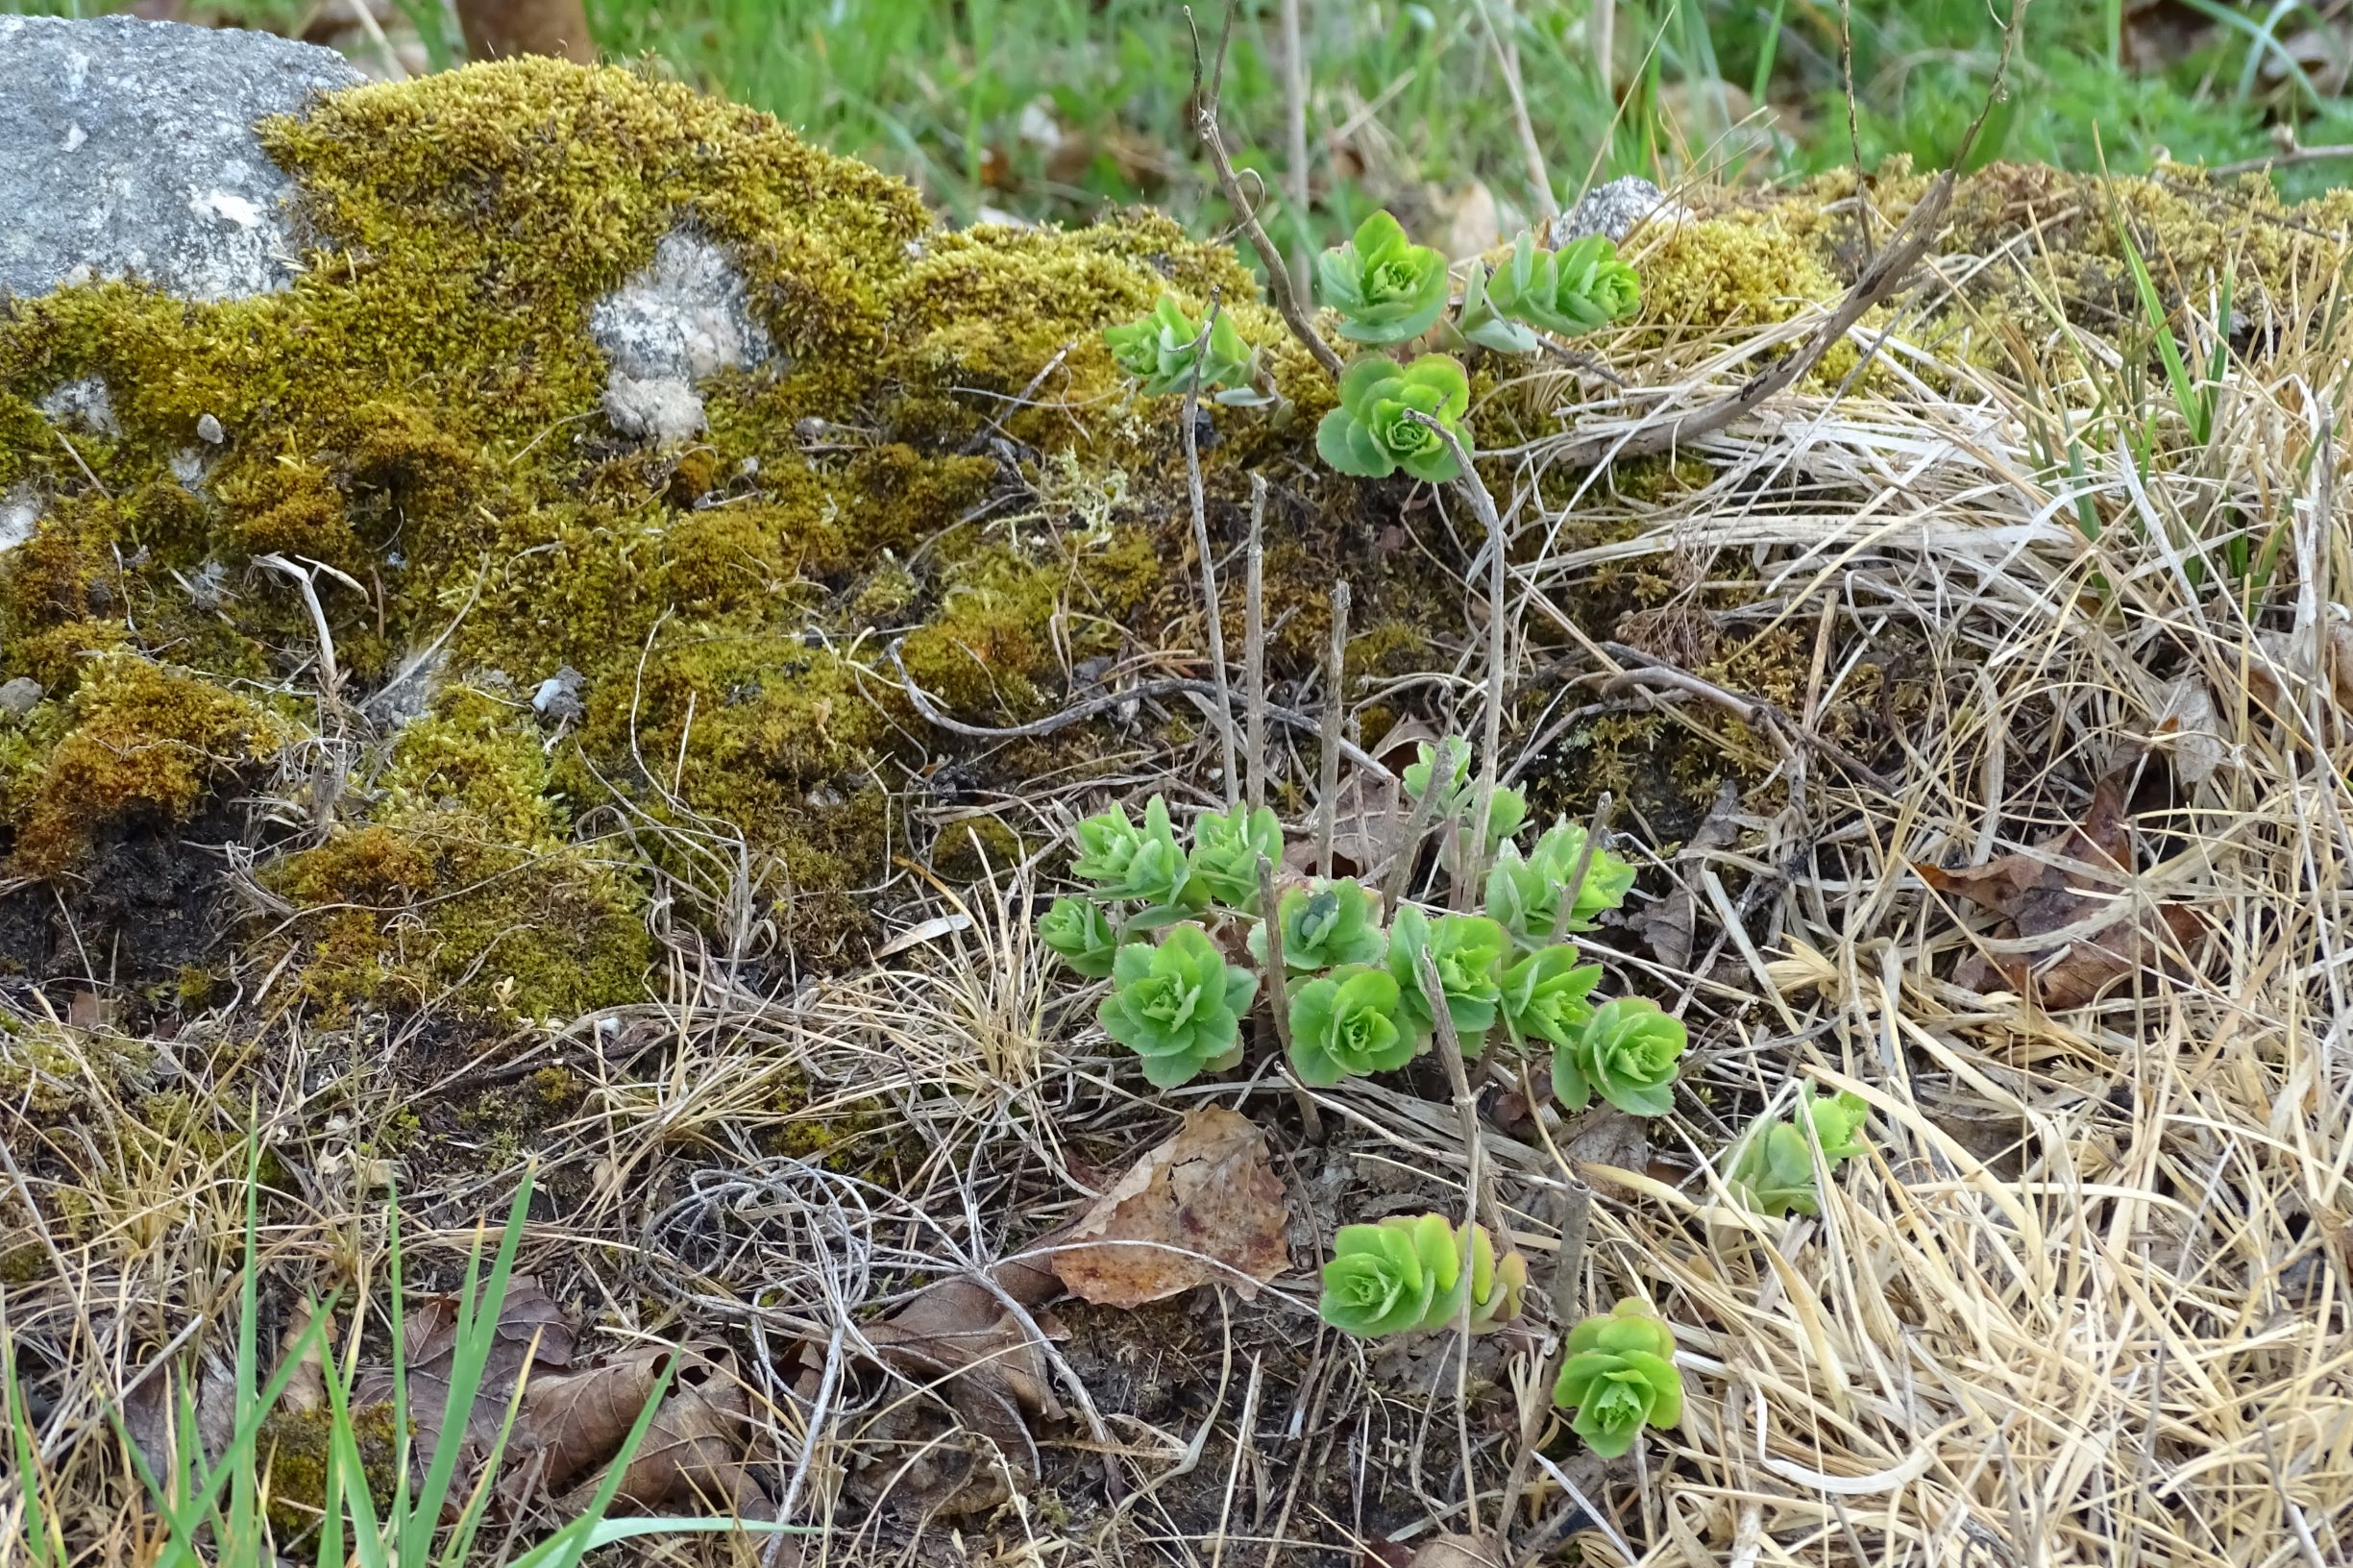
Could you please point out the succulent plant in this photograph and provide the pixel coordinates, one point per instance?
(1507, 808)
(1575, 289)
(1771, 1167)
(1178, 1005)
(1386, 287)
(1373, 432)
(1324, 925)
(1524, 891)
(1143, 863)
(1483, 324)
(1079, 931)
(1626, 1051)
(1348, 1021)
(1545, 994)
(1620, 1377)
(1164, 350)
(1226, 848)
(1468, 951)
(1407, 1273)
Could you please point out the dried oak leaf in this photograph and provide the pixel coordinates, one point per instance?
(693, 1451)
(2070, 878)
(1205, 1206)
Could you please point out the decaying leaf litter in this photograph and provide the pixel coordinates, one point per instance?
(2101, 1234)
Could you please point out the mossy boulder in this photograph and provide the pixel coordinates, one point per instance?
(497, 670)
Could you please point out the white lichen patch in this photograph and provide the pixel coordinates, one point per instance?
(686, 317)
(20, 512)
(82, 405)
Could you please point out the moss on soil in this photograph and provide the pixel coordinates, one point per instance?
(941, 450)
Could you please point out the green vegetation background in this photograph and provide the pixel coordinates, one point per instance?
(1050, 108)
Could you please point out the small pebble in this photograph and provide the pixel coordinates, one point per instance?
(208, 430)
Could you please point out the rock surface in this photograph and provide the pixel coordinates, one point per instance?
(127, 150)
(1616, 209)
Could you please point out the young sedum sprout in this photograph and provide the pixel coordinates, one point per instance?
(1620, 1377)
(1326, 924)
(1350, 1021)
(1771, 1166)
(1387, 288)
(1407, 1273)
(1178, 1005)
(1165, 352)
(1626, 1052)
(1374, 431)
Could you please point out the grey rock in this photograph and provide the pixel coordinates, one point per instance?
(665, 410)
(558, 697)
(684, 318)
(209, 431)
(20, 512)
(1616, 209)
(189, 466)
(82, 405)
(20, 697)
(127, 150)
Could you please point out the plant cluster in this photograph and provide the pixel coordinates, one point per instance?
(1419, 1271)
(1351, 987)
(1389, 291)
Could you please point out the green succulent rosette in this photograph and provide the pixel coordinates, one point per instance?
(1578, 288)
(1620, 1377)
(1468, 951)
(1078, 932)
(1165, 352)
(1771, 1167)
(1545, 995)
(1406, 1273)
(1374, 432)
(1325, 925)
(1142, 864)
(1626, 1052)
(1507, 808)
(1387, 288)
(1178, 1005)
(1524, 893)
(1348, 1023)
(1226, 848)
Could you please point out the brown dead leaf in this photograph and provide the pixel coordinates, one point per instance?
(1205, 1206)
(693, 1451)
(2070, 878)
(532, 1336)
(1450, 1550)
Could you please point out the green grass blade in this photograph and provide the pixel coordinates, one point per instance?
(45, 1546)
(242, 1539)
(2169, 349)
(400, 1439)
(367, 1534)
(478, 1328)
(581, 1536)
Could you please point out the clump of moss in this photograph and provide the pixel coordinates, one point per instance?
(147, 741)
(293, 1446)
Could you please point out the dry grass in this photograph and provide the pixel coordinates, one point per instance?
(2084, 1304)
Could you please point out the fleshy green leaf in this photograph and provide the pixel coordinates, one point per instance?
(1626, 1052)
(1468, 950)
(1770, 1168)
(1524, 891)
(1081, 933)
(1374, 431)
(1325, 924)
(1575, 289)
(1620, 1377)
(1544, 995)
(1349, 1022)
(1142, 864)
(1407, 1273)
(1226, 848)
(1387, 288)
(1164, 350)
(1178, 1006)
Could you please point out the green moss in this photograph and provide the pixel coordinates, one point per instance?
(147, 742)
(293, 1446)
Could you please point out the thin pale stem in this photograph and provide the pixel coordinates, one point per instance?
(1254, 639)
(1335, 720)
